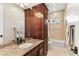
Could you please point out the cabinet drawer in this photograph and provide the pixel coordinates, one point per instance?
(41, 45)
(40, 51)
(37, 51)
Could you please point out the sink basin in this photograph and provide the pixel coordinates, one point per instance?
(25, 45)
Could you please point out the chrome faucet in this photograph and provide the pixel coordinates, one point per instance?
(18, 36)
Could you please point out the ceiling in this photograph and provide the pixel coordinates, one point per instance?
(55, 7)
(27, 5)
(51, 6)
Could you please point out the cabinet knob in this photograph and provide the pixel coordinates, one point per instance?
(1, 35)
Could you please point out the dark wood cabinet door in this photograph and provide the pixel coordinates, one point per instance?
(28, 23)
(37, 28)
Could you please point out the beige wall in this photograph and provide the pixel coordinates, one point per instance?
(57, 31)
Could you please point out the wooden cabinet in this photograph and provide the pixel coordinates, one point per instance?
(41, 50)
(28, 23)
(37, 51)
(35, 26)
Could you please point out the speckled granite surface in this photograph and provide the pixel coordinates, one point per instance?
(13, 49)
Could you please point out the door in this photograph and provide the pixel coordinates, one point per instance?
(1, 23)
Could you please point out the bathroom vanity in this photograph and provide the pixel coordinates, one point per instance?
(12, 49)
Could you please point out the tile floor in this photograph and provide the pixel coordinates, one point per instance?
(59, 50)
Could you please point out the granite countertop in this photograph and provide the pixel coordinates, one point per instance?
(14, 50)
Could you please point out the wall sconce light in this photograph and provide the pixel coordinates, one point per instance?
(38, 14)
(21, 5)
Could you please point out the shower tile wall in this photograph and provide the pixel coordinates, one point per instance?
(57, 31)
